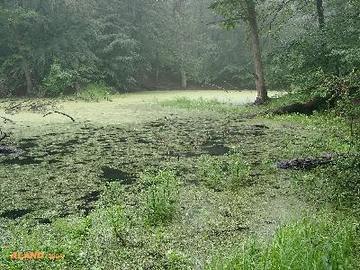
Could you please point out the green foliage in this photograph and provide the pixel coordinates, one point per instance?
(302, 57)
(177, 261)
(337, 132)
(206, 223)
(73, 228)
(79, 239)
(233, 11)
(93, 43)
(88, 48)
(59, 81)
(94, 92)
(312, 243)
(20, 35)
(343, 180)
(116, 48)
(234, 76)
(220, 173)
(161, 197)
(337, 184)
(212, 172)
(238, 171)
(117, 220)
(349, 106)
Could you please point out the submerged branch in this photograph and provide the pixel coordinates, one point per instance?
(3, 136)
(61, 113)
(7, 120)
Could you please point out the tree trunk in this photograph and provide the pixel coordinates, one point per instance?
(307, 108)
(183, 79)
(320, 13)
(77, 86)
(157, 73)
(157, 68)
(255, 44)
(29, 84)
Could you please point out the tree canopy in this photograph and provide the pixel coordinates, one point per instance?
(59, 46)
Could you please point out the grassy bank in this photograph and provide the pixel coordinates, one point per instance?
(312, 243)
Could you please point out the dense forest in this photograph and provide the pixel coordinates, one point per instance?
(180, 134)
(51, 47)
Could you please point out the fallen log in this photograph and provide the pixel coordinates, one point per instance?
(306, 108)
(6, 150)
(61, 113)
(7, 120)
(3, 136)
(306, 163)
(10, 150)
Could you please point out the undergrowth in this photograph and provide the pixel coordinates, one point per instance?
(313, 243)
(94, 92)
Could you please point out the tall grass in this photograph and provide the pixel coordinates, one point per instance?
(228, 172)
(161, 197)
(309, 244)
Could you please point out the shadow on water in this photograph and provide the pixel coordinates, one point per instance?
(59, 151)
(212, 150)
(111, 175)
(28, 143)
(9, 150)
(17, 157)
(260, 126)
(87, 201)
(43, 221)
(26, 160)
(217, 150)
(69, 143)
(15, 213)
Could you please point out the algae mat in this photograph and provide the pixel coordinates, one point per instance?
(69, 171)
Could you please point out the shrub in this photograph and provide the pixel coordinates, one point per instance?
(57, 81)
(337, 183)
(349, 106)
(211, 172)
(116, 218)
(161, 197)
(238, 171)
(94, 92)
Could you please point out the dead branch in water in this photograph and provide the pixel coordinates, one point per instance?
(61, 113)
(3, 135)
(307, 163)
(7, 120)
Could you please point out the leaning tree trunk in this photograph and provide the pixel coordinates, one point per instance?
(183, 79)
(27, 73)
(255, 44)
